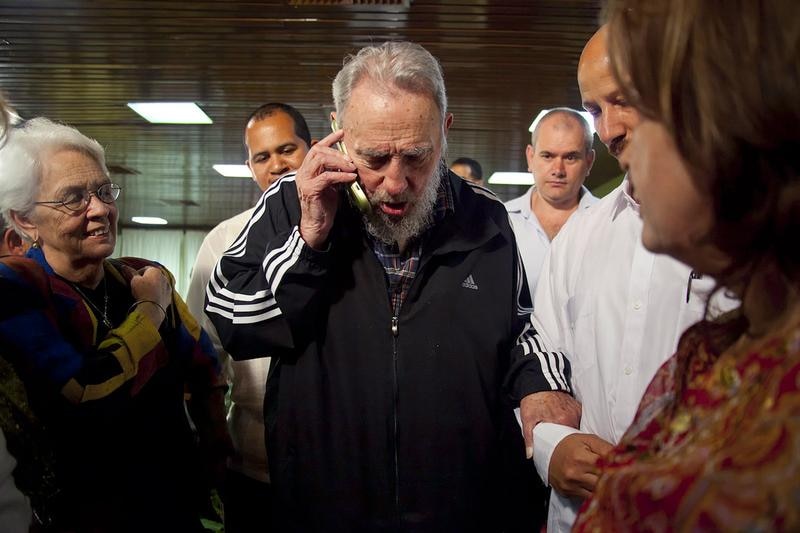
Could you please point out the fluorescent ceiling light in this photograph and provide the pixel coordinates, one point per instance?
(170, 112)
(233, 171)
(157, 221)
(584, 114)
(511, 178)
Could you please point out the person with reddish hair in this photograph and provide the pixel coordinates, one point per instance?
(714, 163)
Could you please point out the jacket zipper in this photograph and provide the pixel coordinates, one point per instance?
(395, 330)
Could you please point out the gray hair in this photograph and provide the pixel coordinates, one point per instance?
(588, 136)
(403, 65)
(5, 119)
(23, 156)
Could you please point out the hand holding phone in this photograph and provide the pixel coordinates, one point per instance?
(357, 195)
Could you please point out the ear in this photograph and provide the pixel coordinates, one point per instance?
(252, 174)
(590, 161)
(448, 121)
(13, 242)
(529, 157)
(27, 225)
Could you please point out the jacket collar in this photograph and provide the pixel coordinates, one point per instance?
(522, 204)
(465, 225)
(469, 225)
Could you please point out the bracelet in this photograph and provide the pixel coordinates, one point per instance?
(137, 302)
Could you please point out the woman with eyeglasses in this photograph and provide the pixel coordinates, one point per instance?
(105, 347)
(715, 445)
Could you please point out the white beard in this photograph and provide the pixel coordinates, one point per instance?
(419, 216)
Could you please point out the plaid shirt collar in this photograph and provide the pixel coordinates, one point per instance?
(402, 268)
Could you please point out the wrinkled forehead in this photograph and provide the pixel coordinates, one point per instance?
(67, 167)
(373, 96)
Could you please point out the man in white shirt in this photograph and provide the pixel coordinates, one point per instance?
(614, 308)
(560, 158)
(277, 139)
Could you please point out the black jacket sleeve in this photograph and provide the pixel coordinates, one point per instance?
(262, 294)
(534, 366)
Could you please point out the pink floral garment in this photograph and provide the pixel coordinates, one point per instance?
(715, 445)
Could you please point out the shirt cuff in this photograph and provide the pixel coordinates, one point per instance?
(546, 437)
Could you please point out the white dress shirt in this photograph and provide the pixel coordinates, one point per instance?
(532, 240)
(617, 311)
(248, 378)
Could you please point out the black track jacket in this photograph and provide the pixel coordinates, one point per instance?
(378, 422)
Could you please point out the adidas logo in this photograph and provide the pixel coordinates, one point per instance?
(469, 283)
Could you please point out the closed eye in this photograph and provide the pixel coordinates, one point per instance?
(376, 162)
(73, 196)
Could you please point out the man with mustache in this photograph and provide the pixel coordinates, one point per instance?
(391, 331)
(560, 158)
(615, 309)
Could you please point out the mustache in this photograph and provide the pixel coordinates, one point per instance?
(617, 146)
(381, 196)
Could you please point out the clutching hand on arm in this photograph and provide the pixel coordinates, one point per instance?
(152, 293)
(323, 168)
(573, 465)
(548, 406)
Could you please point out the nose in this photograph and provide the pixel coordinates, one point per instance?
(96, 207)
(394, 177)
(559, 169)
(278, 166)
(609, 126)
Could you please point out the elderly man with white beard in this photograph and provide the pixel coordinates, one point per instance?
(391, 331)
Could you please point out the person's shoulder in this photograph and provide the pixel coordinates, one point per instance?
(518, 204)
(477, 196)
(282, 188)
(137, 263)
(480, 190)
(134, 262)
(19, 263)
(226, 227)
(219, 238)
(25, 283)
(21, 269)
(279, 200)
(579, 230)
(238, 220)
(603, 207)
(586, 199)
(599, 210)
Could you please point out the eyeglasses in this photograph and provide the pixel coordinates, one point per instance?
(78, 200)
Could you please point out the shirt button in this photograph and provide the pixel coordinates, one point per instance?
(628, 371)
(637, 305)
